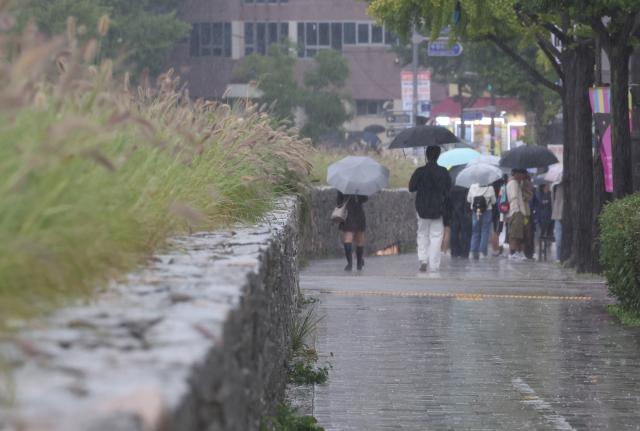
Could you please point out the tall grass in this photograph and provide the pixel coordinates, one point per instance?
(95, 174)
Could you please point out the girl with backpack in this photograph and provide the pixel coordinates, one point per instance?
(482, 199)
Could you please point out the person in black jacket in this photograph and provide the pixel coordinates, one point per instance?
(460, 222)
(353, 228)
(432, 184)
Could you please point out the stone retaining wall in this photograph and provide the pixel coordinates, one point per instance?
(196, 341)
(391, 220)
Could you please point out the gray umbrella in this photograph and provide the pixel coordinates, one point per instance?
(355, 175)
(480, 173)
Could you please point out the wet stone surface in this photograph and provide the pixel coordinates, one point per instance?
(153, 345)
(487, 345)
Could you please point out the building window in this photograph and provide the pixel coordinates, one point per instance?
(210, 39)
(363, 34)
(349, 33)
(377, 34)
(267, 1)
(313, 36)
(259, 35)
(370, 107)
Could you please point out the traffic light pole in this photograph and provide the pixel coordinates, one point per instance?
(414, 67)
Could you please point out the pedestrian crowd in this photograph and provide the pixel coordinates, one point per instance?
(509, 213)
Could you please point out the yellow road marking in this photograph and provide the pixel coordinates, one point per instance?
(459, 296)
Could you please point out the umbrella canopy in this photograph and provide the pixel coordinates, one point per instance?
(374, 128)
(423, 136)
(538, 180)
(479, 173)
(554, 175)
(457, 157)
(356, 175)
(487, 159)
(528, 156)
(454, 171)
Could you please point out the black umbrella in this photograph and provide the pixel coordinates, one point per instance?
(528, 156)
(374, 128)
(423, 136)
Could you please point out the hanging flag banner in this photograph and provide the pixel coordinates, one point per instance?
(424, 92)
(601, 108)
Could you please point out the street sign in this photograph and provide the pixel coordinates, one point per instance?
(440, 48)
(398, 118)
(424, 92)
(472, 115)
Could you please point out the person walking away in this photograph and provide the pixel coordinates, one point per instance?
(556, 216)
(431, 184)
(543, 211)
(502, 207)
(516, 216)
(460, 222)
(529, 196)
(481, 200)
(353, 228)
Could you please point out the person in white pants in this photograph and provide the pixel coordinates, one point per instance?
(432, 184)
(430, 232)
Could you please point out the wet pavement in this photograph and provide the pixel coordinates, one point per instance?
(486, 345)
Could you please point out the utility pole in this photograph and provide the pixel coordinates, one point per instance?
(414, 66)
(492, 127)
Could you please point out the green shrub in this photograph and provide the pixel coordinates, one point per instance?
(288, 420)
(620, 250)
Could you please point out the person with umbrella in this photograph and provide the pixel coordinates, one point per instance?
(353, 228)
(431, 184)
(518, 211)
(481, 198)
(355, 178)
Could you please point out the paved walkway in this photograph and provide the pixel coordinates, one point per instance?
(487, 345)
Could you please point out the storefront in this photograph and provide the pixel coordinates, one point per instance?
(508, 119)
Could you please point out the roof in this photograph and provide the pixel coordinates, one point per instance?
(451, 108)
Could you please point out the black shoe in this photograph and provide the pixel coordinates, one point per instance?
(359, 257)
(423, 267)
(349, 267)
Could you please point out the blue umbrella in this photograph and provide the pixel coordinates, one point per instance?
(457, 156)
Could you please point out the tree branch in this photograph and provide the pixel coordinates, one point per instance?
(561, 35)
(551, 53)
(531, 70)
(603, 34)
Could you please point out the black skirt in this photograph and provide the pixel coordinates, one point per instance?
(356, 220)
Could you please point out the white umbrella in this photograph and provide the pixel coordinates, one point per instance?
(487, 159)
(480, 173)
(554, 174)
(356, 175)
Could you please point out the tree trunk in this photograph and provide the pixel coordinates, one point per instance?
(582, 187)
(619, 55)
(599, 199)
(578, 61)
(568, 175)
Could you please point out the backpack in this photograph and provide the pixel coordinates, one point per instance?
(503, 201)
(479, 204)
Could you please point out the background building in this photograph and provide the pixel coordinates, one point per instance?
(225, 31)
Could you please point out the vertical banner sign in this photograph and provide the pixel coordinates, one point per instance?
(601, 108)
(424, 92)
